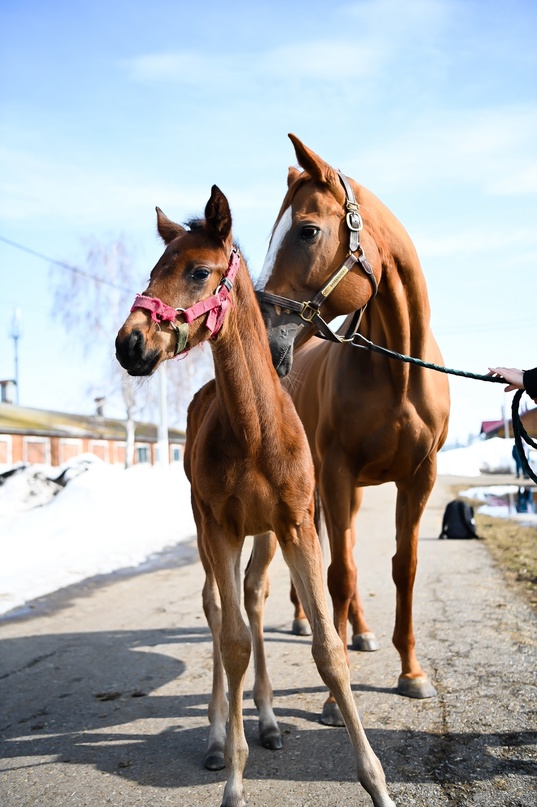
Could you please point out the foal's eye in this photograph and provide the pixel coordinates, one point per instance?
(200, 274)
(308, 232)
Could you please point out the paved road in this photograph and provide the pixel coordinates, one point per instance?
(104, 689)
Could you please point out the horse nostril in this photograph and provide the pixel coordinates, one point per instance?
(129, 348)
(133, 355)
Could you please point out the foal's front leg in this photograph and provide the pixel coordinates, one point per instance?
(235, 644)
(256, 591)
(218, 705)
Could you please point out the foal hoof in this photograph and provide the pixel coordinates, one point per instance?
(214, 760)
(365, 641)
(272, 741)
(301, 627)
(419, 687)
(331, 715)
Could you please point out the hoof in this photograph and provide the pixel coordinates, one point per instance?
(416, 687)
(331, 715)
(301, 627)
(367, 642)
(214, 760)
(272, 741)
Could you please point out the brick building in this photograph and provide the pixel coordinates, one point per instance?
(53, 438)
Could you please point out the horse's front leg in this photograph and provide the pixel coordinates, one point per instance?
(235, 644)
(302, 553)
(412, 497)
(256, 591)
(218, 705)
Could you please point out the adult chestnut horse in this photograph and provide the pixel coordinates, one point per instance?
(249, 465)
(336, 249)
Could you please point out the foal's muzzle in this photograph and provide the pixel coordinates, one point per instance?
(133, 355)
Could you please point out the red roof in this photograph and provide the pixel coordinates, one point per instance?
(490, 426)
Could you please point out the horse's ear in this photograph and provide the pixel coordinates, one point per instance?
(292, 175)
(318, 169)
(218, 214)
(168, 230)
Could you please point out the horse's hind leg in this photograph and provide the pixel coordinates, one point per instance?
(304, 559)
(412, 497)
(256, 591)
(301, 626)
(341, 500)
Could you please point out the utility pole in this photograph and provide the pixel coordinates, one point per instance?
(163, 444)
(15, 334)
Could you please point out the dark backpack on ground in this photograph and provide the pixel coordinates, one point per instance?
(458, 521)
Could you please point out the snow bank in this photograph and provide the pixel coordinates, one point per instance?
(483, 457)
(106, 518)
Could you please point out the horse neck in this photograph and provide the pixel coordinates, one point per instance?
(399, 316)
(247, 387)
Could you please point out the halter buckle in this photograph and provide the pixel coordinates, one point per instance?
(309, 312)
(354, 221)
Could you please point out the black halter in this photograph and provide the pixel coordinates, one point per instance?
(310, 311)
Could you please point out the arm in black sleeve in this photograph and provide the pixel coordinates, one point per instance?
(530, 382)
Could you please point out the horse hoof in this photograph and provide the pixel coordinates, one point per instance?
(367, 642)
(272, 741)
(301, 627)
(419, 687)
(331, 715)
(214, 760)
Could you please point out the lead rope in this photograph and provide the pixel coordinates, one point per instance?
(519, 431)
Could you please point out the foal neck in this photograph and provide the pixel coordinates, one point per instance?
(247, 386)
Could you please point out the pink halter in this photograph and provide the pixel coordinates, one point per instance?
(215, 306)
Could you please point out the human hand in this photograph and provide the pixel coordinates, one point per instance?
(511, 374)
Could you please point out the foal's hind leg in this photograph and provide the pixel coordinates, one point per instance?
(256, 591)
(301, 626)
(303, 555)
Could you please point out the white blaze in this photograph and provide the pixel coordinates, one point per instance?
(282, 228)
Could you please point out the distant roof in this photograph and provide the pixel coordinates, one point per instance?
(42, 422)
(490, 426)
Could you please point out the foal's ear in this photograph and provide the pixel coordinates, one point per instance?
(318, 169)
(292, 175)
(218, 214)
(168, 230)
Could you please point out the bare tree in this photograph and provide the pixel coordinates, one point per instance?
(93, 303)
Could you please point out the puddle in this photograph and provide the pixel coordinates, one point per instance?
(518, 502)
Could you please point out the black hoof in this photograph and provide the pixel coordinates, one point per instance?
(272, 741)
(214, 760)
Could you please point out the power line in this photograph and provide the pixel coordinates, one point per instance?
(64, 265)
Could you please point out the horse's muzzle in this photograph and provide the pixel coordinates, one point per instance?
(281, 340)
(133, 355)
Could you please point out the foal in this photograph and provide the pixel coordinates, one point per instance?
(248, 461)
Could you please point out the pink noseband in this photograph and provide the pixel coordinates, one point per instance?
(215, 306)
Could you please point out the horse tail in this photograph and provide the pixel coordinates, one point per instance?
(320, 523)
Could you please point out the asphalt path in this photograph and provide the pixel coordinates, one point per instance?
(104, 687)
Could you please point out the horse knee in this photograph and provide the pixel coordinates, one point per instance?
(236, 650)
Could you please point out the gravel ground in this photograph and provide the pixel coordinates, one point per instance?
(104, 687)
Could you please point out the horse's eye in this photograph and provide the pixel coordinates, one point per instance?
(308, 232)
(201, 274)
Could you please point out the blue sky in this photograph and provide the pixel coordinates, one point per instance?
(108, 109)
